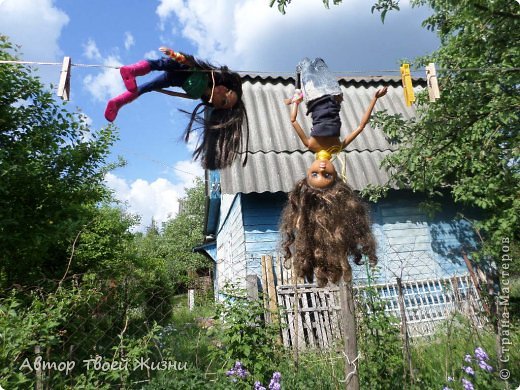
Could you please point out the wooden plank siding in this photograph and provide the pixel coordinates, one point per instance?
(410, 245)
(261, 216)
(230, 264)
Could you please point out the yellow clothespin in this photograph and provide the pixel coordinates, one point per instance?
(409, 96)
(433, 85)
(64, 85)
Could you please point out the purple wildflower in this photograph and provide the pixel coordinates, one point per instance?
(468, 370)
(258, 386)
(241, 373)
(275, 381)
(482, 364)
(480, 354)
(467, 384)
(237, 371)
(467, 358)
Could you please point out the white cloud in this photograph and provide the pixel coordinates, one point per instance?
(187, 170)
(34, 24)
(91, 51)
(107, 83)
(158, 199)
(249, 35)
(129, 40)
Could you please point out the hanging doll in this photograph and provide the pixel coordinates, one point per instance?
(219, 90)
(324, 222)
(322, 227)
(323, 98)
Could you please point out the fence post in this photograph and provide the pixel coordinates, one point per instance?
(252, 287)
(271, 289)
(407, 356)
(296, 318)
(39, 371)
(348, 315)
(191, 299)
(476, 283)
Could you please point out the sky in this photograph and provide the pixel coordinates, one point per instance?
(246, 35)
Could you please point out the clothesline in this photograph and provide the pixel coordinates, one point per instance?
(479, 69)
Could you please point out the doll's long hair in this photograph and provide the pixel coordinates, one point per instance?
(321, 228)
(222, 138)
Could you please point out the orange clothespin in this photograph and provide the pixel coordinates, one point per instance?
(433, 85)
(64, 85)
(409, 96)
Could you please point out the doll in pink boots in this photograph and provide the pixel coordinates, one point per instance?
(218, 89)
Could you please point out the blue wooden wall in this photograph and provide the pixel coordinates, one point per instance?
(410, 244)
(414, 246)
(261, 215)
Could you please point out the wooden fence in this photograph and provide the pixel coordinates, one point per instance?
(311, 316)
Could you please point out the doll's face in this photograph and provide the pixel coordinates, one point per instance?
(224, 98)
(321, 174)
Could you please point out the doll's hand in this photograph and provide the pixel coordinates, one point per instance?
(165, 50)
(296, 98)
(381, 92)
(180, 58)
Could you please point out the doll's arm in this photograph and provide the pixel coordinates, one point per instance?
(180, 58)
(296, 125)
(352, 136)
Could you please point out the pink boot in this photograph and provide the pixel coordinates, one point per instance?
(116, 103)
(128, 73)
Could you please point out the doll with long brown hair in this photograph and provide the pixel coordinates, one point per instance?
(322, 227)
(324, 222)
(221, 112)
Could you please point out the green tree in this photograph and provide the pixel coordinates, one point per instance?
(468, 141)
(105, 245)
(381, 6)
(183, 233)
(51, 175)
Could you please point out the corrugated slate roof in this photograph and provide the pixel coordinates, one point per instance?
(277, 158)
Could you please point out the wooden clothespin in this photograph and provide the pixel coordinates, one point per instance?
(64, 85)
(433, 85)
(409, 96)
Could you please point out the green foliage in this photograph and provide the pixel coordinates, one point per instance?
(467, 142)
(41, 322)
(442, 357)
(322, 370)
(105, 243)
(52, 169)
(282, 4)
(244, 336)
(382, 6)
(181, 234)
(380, 343)
(69, 326)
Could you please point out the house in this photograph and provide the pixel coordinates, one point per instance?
(244, 203)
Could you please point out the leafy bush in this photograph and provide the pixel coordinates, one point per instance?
(244, 336)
